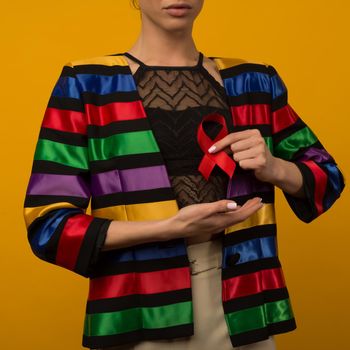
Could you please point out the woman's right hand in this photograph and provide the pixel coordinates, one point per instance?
(210, 218)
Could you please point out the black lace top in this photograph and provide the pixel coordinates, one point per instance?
(175, 101)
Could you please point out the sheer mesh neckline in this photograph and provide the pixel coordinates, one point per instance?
(146, 66)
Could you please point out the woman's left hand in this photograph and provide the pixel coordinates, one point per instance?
(249, 150)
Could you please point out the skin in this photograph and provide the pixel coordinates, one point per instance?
(166, 40)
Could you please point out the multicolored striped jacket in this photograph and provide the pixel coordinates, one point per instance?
(96, 143)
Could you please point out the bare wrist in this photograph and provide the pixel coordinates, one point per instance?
(171, 228)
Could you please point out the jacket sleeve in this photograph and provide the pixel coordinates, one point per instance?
(58, 192)
(294, 141)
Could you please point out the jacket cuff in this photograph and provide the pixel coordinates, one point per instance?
(304, 208)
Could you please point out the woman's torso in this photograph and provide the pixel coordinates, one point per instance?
(175, 100)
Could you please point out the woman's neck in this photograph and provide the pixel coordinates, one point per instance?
(155, 46)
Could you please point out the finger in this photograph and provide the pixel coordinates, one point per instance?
(248, 209)
(229, 139)
(251, 202)
(242, 145)
(247, 154)
(254, 163)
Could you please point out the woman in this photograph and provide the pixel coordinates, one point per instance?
(156, 267)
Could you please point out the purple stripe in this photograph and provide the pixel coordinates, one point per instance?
(317, 155)
(245, 183)
(57, 185)
(128, 180)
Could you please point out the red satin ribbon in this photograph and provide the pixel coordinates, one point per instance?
(221, 158)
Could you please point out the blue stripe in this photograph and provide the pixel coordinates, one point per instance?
(98, 84)
(66, 87)
(255, 82)
(337, 183)
(251, 250)
(46, 230)
(247, 82)
(143, 253)
(106, 84)
(277, 86)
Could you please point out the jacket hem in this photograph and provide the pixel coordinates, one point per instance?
(186, 330)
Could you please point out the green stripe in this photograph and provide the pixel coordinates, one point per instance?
(300, 139)
(74, 156)
(109, 323)
(259, 316)
(269, 142)
(135, 142)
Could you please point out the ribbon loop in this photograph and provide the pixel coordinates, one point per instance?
(221, 158)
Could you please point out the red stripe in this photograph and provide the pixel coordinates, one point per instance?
(64, 120)
(283, 117)
(252, 283)
(71, 239)
(113, 112)
(320, 178)
(251, 114)
(139, 283)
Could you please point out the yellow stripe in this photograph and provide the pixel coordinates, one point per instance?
(228, 62)
(221, 62)
(264, 216)
(139, 212)
(31, 213)
(104, 60)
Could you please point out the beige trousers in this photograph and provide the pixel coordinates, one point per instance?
(210, 329)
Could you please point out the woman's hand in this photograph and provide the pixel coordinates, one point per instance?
(249, 150)
(213, 217)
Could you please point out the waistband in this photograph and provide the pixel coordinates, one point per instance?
(205, 255)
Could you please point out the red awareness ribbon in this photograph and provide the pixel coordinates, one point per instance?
(221, 158)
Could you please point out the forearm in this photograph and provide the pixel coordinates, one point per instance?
(121, 234)
(287, 176)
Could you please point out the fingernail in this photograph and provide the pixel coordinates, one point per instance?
(211, 149)
(260, 199)
(232, 205)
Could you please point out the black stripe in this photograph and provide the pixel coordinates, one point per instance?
(118, 127)
(48, 167)
(129, 161)
(109, 268)
(133, 197)
(298, 154)
(101, 100)
(250, 267)
(36, 200)
(263, 333)
(258, 299)
(265, 129)
(134, 337)
(247, 67)
(66, 103)
(67, 71)
(65, 137)
(249, 233)
(289, 130)
(101, 69)
(279, 102)
(267, 197)
(304, 208)
(98, 226)
(137, 300)
(250, 98)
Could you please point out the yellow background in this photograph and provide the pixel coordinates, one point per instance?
(42, 305)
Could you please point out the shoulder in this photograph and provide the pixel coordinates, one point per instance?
(100, 60)
(235, 65)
